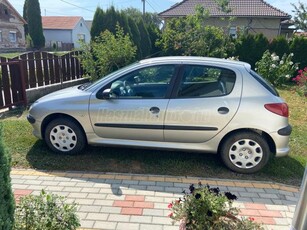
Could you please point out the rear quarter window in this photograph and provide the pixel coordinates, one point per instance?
(264, 83)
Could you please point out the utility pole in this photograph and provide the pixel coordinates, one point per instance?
(143, 7)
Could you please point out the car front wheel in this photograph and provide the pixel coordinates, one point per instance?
(245, 152)
(63, 135)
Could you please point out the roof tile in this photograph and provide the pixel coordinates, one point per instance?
(239, 8)
(60, 22)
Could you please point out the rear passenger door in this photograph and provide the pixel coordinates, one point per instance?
(205, 99)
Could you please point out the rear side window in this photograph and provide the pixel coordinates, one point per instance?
(205, 81)
(264, 83)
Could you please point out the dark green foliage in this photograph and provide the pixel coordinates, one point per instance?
(6, 194)
(111, 19)
(98, 23)
(298, 47)
(25, 17)
(154, 34)
(145, 41)
(250, 48)
(135, 35)
(279, 46)
(35, 24)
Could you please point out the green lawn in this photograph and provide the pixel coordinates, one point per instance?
(29, 152)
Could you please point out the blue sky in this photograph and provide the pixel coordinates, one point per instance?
(86, 8)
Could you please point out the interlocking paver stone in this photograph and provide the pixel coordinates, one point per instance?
(130, 201)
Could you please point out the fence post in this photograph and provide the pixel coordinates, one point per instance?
(299, 221)
(23, 83)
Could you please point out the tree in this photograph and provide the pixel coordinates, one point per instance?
(25, 17)
(107, 53)
(145, 40)
(300, 18)
(6, 194)
(35, 23)
(98, 23)
(191, 36)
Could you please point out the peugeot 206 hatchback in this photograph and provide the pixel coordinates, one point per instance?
(179, 103)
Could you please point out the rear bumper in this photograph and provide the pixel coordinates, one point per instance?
(281, 139)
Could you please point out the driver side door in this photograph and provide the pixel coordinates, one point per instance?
(136, 106)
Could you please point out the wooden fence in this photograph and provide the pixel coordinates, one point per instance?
(32, 70)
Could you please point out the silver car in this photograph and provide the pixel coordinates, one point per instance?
(179, 103)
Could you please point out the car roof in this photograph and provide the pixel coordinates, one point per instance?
(187, 59)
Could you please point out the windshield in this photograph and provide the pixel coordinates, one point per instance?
(90, 85)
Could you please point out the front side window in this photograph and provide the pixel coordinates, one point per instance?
(206, 81)
(12, 36)
(149, 83)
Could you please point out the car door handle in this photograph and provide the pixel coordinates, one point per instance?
(223, 110)
(154, 110)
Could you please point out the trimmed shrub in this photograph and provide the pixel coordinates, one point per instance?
(6, 195)
(298, 47)
(279, 46)
(250, 48)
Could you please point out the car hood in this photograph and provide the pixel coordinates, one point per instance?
(63, 94)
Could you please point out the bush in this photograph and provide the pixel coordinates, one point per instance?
(301, 81)
(250, 48)
(107, 53)
(205, 208)
(277, 71)
(6, 195)
(298, 47)
(45, 212)
(280, 46)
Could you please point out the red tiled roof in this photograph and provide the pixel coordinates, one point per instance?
(60, 22)
(239, 8)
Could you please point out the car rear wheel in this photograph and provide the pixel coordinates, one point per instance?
(63, 135)
(245, 152)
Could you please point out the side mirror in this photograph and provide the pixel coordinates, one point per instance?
(106, 94)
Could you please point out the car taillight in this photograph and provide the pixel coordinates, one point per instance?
(278, 108)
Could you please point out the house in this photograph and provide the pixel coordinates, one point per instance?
(61, 31)
(12, 35)
(251, 16)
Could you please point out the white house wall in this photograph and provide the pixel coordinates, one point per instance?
(81, 28)
(52, 36)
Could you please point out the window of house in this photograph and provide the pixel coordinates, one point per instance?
(81, 37)
(233, 32)
(12, 36)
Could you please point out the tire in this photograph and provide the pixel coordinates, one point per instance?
(65, 136)
(245, 152)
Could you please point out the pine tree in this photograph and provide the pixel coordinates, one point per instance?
(25, 17)
(98, 25)
(6, 195)
(35, 24)
(135, 36)
(145, 40)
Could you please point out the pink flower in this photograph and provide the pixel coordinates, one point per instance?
(251, 218)
(170, 205)
(171, 214)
